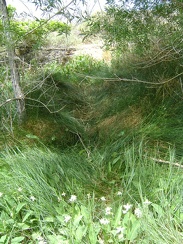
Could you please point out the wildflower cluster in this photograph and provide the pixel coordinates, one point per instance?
(112, 221)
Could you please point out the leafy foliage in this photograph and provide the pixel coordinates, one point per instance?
(138, 27)
(29, 35)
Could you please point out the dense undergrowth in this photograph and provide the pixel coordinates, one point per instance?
(95, 160)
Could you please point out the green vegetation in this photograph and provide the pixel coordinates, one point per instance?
(99, 158)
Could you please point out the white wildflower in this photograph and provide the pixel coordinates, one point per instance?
(138, 213)
(147, 202)
(103, 199)
(32, 198)
(19, 189)
(73, 198)
(67, 218)
(41, 240)
(100, 241)
(126, 207)
(120, 230)
(63, 194)
(120, 233)
(119, 193)
(88, 196)
(104, 221)
(108, 210)
(1, 194)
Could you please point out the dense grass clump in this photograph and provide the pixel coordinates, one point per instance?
(75, 198)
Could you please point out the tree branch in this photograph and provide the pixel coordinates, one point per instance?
(46, 21)
(128, 80)
(35, 100)
(167, 162)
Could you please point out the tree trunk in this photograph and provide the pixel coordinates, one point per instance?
(15, 78)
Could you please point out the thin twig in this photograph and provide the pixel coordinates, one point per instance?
(44, 105)
(129, 80)
(35, 100)
(86, 149)
(167, 162)
(10, 100)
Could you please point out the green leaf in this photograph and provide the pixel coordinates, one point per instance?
(92, 235)
(126, 220)
(60, 218)
(56, 239)
(49, 219)
(23, 226)
(85, 214)
(17, 239)
(118, 216)
(80, 232)
(3, 238)
(77, 219)
(20, 206)
(29, 213)
(116, 160)
(158, 209)
(133, 233)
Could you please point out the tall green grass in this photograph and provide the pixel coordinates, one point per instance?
(76, 197)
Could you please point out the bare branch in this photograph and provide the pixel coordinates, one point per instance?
(35, 100)
(45, 106)
(128, 80)
(9, 100)
(167, 162)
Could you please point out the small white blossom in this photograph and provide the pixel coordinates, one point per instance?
(100, 241)
(103, 199)
(120, 233)
(138, 213)
(108, 210)
(126, 207)
(88, 196)
(120, 230)
(63, 194)
(67, 218)
(73, 198)
(104, 221)
(32, 198)
(119, 193)
(19, 189)
(1, 194)
(147, 202)
(41, 240)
